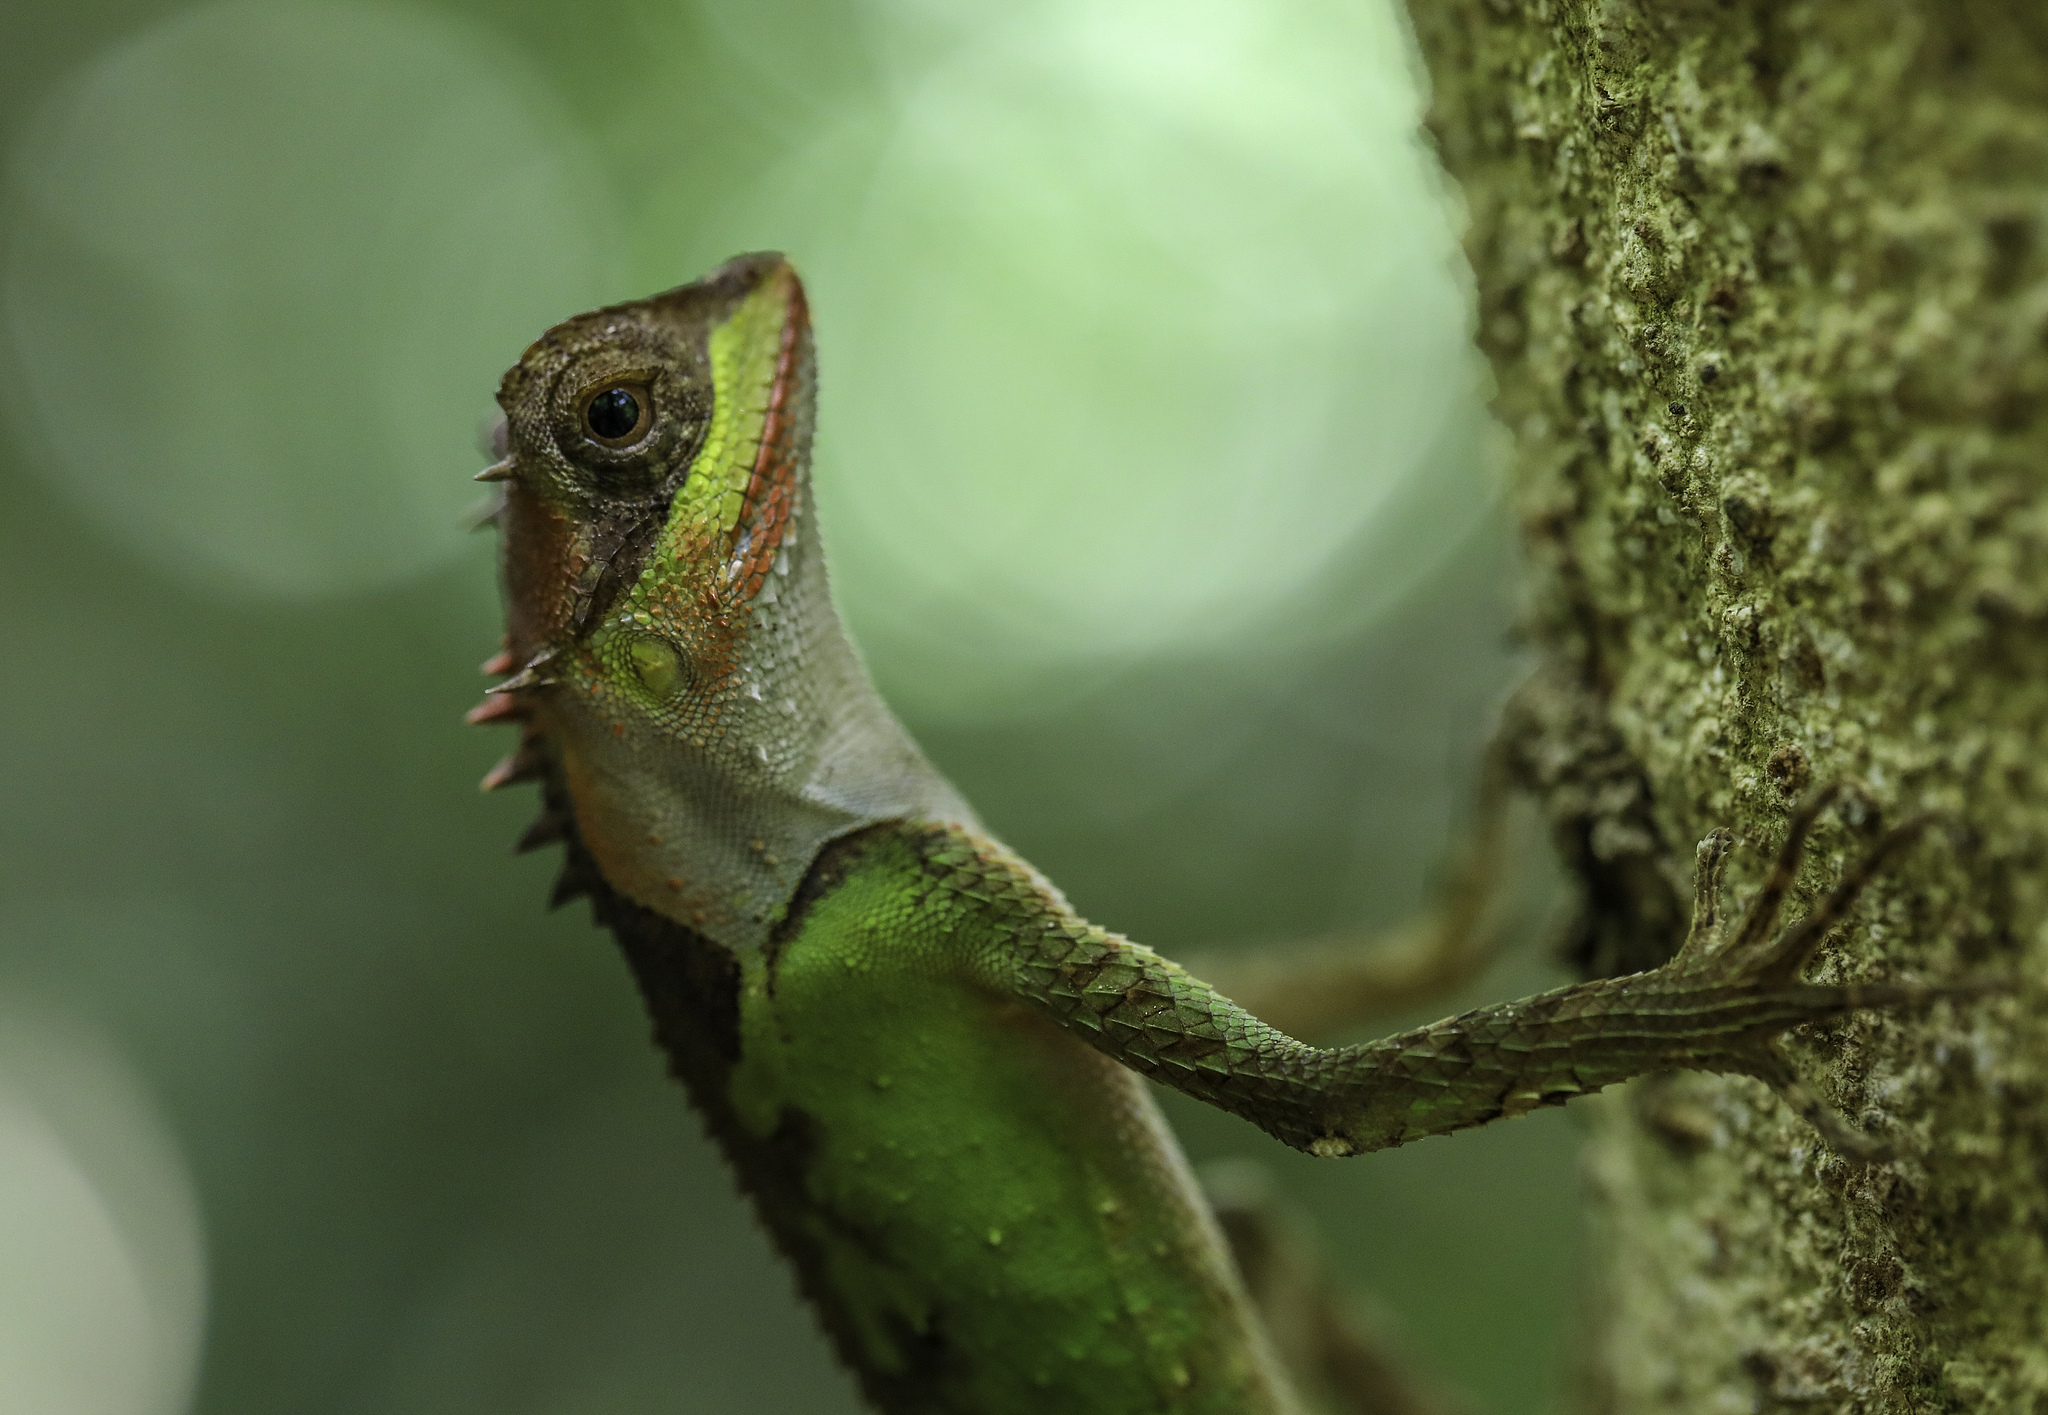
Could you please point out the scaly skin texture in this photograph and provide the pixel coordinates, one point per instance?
(954, 1110)
(1763, 285)
(902, 1035)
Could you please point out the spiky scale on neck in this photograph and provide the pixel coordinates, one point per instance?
(690, 679)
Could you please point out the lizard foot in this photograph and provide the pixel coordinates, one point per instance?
(1767, 966)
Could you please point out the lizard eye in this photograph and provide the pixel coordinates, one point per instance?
(618, 416)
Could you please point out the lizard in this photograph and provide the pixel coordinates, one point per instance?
(926, 1069)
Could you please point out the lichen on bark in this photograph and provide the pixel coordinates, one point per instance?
(1765, 292)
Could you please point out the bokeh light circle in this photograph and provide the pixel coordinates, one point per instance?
(102, 1258)
(269, 262)
(1145, 311)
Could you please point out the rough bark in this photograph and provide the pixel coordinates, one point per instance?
(1765, 289)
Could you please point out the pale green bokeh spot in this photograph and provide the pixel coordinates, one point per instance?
(271, 262)
(1133, 317)
(102, 1268)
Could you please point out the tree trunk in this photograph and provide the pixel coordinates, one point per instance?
(1765, 290)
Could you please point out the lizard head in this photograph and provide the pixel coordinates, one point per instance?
(654, 454)
(684, 684)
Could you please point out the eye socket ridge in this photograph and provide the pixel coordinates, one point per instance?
(617, 413)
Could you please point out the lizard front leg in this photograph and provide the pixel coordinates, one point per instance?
(1715, 1007)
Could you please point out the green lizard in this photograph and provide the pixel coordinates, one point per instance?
(926, 1069)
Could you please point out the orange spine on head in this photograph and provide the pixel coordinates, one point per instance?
(771, 490)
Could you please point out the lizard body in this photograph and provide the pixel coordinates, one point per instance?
(922, 1063)
(986, 1216)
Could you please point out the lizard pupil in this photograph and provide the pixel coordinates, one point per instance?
(613, 414)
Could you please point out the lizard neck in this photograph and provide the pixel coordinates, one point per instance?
(716, 829)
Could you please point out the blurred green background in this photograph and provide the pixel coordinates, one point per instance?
(1159, 492)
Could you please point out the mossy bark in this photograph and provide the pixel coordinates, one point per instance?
(1765, 290)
